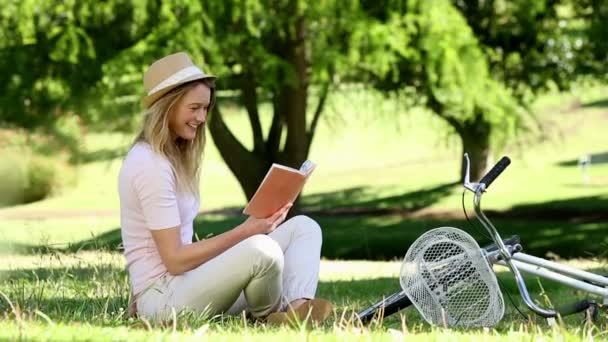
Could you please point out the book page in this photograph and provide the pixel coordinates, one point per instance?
(281, 185)
(307, 167)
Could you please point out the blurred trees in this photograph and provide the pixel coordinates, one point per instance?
(532, 44)
(435, 55)
(53, 53)
(70, 66)
(476, 64)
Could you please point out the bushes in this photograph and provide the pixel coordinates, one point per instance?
(12, 180)
(41, 178)
(27, 178)
(29, 168)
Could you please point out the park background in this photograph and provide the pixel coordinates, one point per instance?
(385, 96)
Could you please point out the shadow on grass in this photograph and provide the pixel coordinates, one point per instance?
(596, 158)
(8, 248)
(572, 210)
(347, 201)
(371, 239)
(102, 155)
(383, 229)
(361, 200)
(388, 237)
(597, 104)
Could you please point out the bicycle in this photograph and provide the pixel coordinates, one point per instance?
(445, 270)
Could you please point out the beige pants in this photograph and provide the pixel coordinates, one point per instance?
(261, 274)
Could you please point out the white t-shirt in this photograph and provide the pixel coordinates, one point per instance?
(149, 200)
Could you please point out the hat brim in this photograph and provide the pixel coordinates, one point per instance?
(150, 99)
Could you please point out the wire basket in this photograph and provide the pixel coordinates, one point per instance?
(448, 279)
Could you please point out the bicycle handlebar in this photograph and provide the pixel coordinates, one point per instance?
(575, 307)
(495, 171)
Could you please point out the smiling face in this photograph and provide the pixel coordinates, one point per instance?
(190, 112)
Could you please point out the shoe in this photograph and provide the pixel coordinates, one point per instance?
(312, 311)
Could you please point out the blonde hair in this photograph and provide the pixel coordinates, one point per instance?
(184, 155)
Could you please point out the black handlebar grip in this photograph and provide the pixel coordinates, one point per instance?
(397, 304)
(575, 307)
(386, 306)
(496, 171)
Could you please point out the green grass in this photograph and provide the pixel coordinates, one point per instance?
(60, 266)
(375, 155)
(79, 296)
(384, 149)
(345, 237)
(203, 333)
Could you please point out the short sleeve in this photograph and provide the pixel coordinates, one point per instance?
(155, 187)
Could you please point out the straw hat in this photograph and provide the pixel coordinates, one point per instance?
(168, 73)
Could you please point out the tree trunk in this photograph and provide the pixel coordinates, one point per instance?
(248, 168)
(296, 93)
(475, 137)
(295, 103)
(289, 106)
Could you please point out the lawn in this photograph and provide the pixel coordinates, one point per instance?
(82, 296)
(385, 176)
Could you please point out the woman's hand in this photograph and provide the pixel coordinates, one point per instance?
(179, 258)
(267, 225)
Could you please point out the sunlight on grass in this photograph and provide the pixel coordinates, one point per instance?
(53, 233)
(80, 296)
(203, 333)
(372, 153)
(365, 140)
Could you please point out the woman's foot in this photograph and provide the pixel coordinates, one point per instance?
(312, 311)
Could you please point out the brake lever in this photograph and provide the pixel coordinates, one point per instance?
(467, 178)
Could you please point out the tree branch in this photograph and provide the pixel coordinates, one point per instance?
(276, 128)
(315, 119)
(231, 150)
(250, 99)
(438, 108)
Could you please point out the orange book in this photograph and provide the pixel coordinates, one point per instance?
(281, 185)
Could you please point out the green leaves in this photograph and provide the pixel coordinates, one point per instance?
(88, 56)
(71, 44)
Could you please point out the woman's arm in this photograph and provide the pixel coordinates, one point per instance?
(179, 258)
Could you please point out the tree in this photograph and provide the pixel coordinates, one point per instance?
(596, 12)
(429, 48)
(277, 51)
(53, 53)
(532, 44)
(67, 56)
(85, 56)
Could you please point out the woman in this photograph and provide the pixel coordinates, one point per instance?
(264, 266)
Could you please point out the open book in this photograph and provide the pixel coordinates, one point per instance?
(281, 185)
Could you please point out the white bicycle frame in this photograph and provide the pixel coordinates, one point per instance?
(516, 261)
(508, 253)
